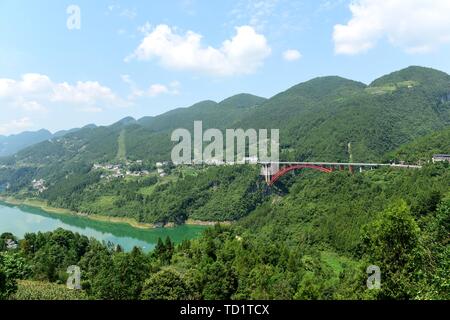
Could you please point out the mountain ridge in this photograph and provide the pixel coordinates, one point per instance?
(316, 118)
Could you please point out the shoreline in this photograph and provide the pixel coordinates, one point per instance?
(42, 205)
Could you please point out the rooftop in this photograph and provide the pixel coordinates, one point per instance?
(441, 156)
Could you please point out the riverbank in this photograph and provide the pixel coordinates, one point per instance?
(40, 204)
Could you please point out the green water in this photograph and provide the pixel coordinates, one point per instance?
(20, 220)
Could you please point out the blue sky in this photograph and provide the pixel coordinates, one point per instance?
(140, 58)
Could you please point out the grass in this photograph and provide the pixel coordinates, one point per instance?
(37, 290)
(381, 90)
(388, 88)
(335, 261)
(103, 204)
(147, 191)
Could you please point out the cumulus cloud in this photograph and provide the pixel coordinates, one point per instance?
(416, 26)
(291, 55)
(242, 54)
(33, 91)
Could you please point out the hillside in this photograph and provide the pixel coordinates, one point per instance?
(317, 119)
(313, 243)
(310, 236)
(422, 149)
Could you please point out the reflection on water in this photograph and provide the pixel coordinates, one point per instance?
(23, 219)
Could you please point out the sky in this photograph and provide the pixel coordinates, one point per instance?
(66, 64)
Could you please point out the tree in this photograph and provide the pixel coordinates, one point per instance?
(392, 243)
(123, 278)
(165, 285)
(8, 285)
(220, 281)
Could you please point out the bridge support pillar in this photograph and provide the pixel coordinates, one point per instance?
(350, 168)
(266, 172)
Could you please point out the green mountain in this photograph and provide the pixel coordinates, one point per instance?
(423, 148)
(317, 120)
(320, 117)
(311, 236)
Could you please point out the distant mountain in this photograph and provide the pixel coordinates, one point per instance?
(13, 143)
(317, 119)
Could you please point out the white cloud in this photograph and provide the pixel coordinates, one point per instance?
(157, 89)
(291, 55)
(243, 54)
(153, 91)
(416, 26)
(83, 93)
(32, 106)
(33, 91)
(15, 126)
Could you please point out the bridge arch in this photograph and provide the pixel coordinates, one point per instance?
(287, 169)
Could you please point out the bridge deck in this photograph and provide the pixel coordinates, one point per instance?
(345, 164)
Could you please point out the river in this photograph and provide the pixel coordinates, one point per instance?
(20, 220)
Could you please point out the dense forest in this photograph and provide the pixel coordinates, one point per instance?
(311, 236)
(317, 120)
(313, 243)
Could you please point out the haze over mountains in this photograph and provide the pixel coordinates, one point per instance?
(16, 142)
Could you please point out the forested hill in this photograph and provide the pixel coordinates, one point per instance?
(317, 119)
(422, 149)
(311, 236)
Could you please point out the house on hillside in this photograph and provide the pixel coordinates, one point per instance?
(441, 158)
(39, 185)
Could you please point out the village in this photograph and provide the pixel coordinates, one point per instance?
(129, 169)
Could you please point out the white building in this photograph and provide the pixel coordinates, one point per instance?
(441, 158)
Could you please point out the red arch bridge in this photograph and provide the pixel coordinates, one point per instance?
(273, 171)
